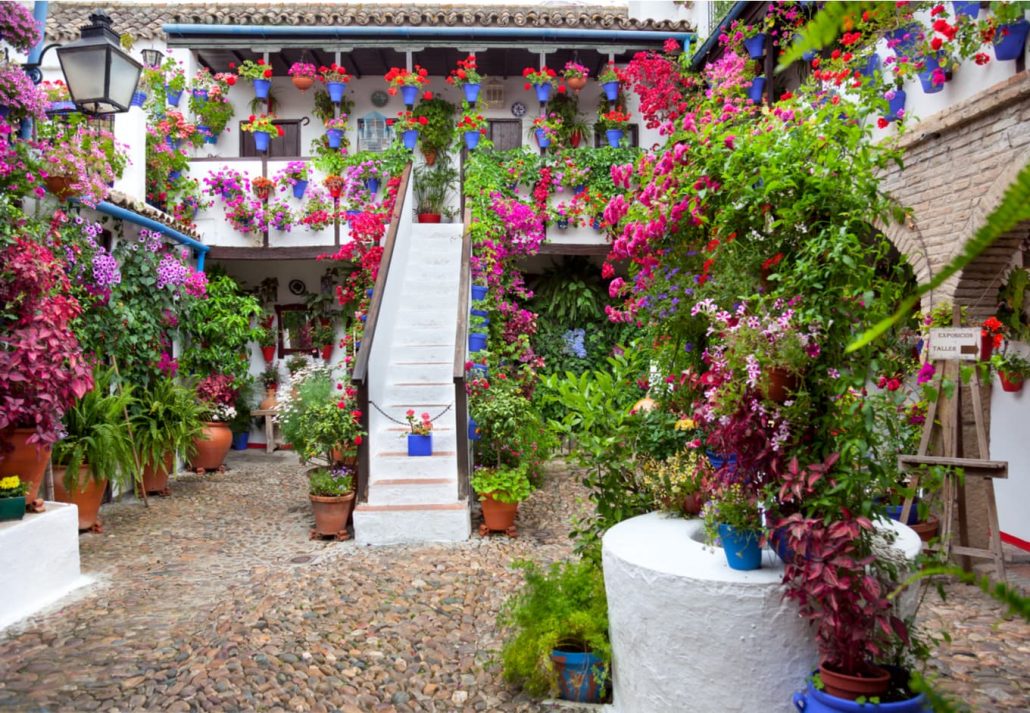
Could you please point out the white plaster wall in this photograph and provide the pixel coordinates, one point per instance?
(1010, 432)
(39, 561)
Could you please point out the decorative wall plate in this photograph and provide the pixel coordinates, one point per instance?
(380, 98)
(297, 287)
(518, 109)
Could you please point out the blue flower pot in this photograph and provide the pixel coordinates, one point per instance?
(420, 445)
(409, 94)
(742, 549)
(1010, 46)
(872, 65)
(596, 224)
(479, 313)
(471, 92)
(261, 87)
(372, 185)
(299, 189)
(719, 461)
(173, 176)
(611, 90)
(895, 105)
(755, 46)
(473, 429)
(352, 213)
(480, 370)
(813, 700)
(969, 9)
(334, 136)
(542, 139)
(894, 513)
(579, 676)
(173, 144)
(240, 440)
(336, 90)
(200, 94)
(809, 55)
(261, 141)
(614, 137)
(543, 92)
(562, 223)
(172, 97)
(906, 38)
(410, 138)
(577, 189)
(479, 292)
(369, 292)
(756, 90)
(471, 138)
(926, 76)
(64, 107)
(138, 99)
(477, 342)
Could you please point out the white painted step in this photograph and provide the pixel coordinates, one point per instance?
(411, 523)
(393, 463)
(408, 491)
(436, 371)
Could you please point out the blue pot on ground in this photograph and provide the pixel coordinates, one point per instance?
(580, 676)
(542, 139)
(813, 700)
(479, 292)
(611, 90)
(969, 9)
(1010, 38)
(261, 87)
(477, 342)
(755, 46)
(471, 92)
(420, 445)
(409, 93)
(372, 185)
(334, 136)
(335, 90)
(240, 440)
(138, 99)
(261, 141)
(742, 549)
(471, 138)
(473, 428)
(543, 92)
(756, 90)
(894, 513)
(926, 76)
(172, 97)
(614, 137)
(562, 223)
(895, 105)
(299, 188)
(410, 138)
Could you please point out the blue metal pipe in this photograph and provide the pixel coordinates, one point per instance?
(116, 211)
(424, 33)
(39, 12)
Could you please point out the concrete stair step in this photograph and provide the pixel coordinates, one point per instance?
(434, 371)
(393, 464)
(412, 523)
(404, 491)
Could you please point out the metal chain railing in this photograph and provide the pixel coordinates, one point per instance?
(405, 423)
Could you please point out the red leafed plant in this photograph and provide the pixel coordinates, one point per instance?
(42, 369)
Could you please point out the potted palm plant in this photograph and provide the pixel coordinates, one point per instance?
(96, 448)
(166, 420)
(432, 191)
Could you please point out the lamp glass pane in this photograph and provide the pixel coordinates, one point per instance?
(124, 77)
(85, 71)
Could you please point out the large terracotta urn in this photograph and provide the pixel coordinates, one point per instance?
(155, 475)
(212, 446)
(27, 460)
(86, 496)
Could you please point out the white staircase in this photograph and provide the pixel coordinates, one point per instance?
(415, 499)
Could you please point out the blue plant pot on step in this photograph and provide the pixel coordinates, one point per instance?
(419, 446)
(742, 549)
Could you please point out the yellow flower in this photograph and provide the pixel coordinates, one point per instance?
(10, 483)
(684, 424)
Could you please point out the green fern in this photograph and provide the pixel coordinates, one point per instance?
(826, 27)
(1013, 210)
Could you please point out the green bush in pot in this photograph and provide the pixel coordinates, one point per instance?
(166, 418)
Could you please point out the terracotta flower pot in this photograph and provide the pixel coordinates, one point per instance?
(430, 156)
(212, 446)
(60, 186)
(1013, 383)
(155, 475)
(331, 513)
(781, 384)
(327, 351)
(303, 83)
(86, 498)
(429, 217)
(576, 83)
(268, 353)
(339, 456)
(26, 460)
(851, 687)
(927, 530)
(692, 504)
(498, 516)
(270, 399)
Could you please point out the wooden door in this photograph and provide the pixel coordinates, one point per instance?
(505, 133)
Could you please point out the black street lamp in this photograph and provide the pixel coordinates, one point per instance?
(101, 77)
(152, 58)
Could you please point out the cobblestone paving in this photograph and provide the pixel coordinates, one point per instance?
(215, 599)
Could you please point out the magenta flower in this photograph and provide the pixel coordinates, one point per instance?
(926, 373)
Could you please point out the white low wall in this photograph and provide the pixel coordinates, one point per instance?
(39, 561)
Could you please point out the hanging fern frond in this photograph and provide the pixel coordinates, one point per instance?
(825, 27)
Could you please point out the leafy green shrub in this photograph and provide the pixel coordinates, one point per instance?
(506, 485)
(331, 482)
(319, 417)
(166, 417)
(218, 330)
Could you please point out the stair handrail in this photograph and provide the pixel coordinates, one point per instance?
(461, 414)
(359, 373)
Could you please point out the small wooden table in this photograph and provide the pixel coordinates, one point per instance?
(269, 416)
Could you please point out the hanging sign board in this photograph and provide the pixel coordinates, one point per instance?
(954, 344)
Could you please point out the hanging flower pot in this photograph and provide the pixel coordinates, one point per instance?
(872, 65)
(268, 353)
(1010, 38)
(372, 185)
(472, 138)
(903, 39)
(896, 104)
(60, 186)
(969, 9)
(1011, 382)
(174, 176)
(261, 141)
(562, 223)
(299, 188)
(336, 90)
(199, 94)
(334, 136)
(579, 676)
(471, 92)
(575, 138)
(781, 384)
(479, 292)
(927, 76)
(473, 429)
(576, 83)
(429, 155)
(542, 139)
(755, 46)
(614, 137)
(410, 138)
(986, 346)
(302, 83)
(477, 342)
(741, 548)
(327, 352)
(420, 445)
(757, 90)
(261, 87)
(138, 99)
(409, 94)
(172, 97)
(209, 136)
(611, 90)
(596, 224)
(543, 92)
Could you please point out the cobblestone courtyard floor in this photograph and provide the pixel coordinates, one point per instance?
(215, 599)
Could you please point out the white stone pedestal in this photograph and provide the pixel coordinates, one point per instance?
(39, 561)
